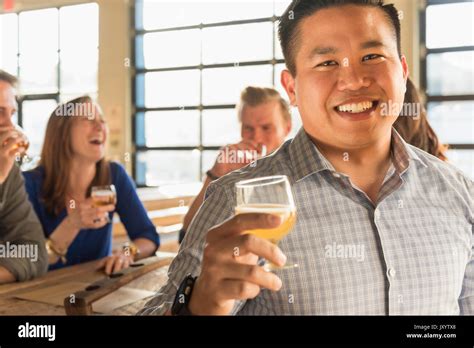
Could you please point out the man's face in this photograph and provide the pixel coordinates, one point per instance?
(347, 56)
(265, 124)
(8, 105)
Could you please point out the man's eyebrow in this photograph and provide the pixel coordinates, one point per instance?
(372, 44)
(321, 51)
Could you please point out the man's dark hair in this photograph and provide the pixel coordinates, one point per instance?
(300, 9)
(8, 78)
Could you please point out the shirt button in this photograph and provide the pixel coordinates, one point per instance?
(336, 175)
(392, 272)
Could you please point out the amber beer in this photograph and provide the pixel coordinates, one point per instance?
(103, 197)
(274, 235)
(24, 145)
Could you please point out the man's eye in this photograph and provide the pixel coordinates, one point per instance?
(327, 63)
(371, 57)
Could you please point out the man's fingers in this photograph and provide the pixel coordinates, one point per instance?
(253, 274)
(231, 289)
(240, 223)
(251, 244)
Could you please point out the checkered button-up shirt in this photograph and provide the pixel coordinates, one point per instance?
(409, 253)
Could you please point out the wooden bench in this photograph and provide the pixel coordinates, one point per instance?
(167, 215)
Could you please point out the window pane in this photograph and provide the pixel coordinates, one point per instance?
(79, 71)
(35, 117)
(172, 49)
(449, 25)
(281, 6)
(39, 51)
(169, 166)
(171, 128)
(168, 14)
(464, 160)
(172, 88)
(217, 11)
(79, 27)
(236, 79)
(9, 43)
(208, 159)
(450, 73)
(237, 43)
(220, 127)
(453, 122)
(79, 53)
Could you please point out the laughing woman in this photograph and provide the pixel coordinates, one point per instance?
(72, 161)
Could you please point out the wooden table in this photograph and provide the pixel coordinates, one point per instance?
(86, 272)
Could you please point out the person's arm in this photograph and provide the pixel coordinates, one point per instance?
(215, 209)
(84, 215)
(134, 216)
(6, 276)
(19, 225)
(466, 299)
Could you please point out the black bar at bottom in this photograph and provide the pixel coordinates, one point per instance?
(136, 331)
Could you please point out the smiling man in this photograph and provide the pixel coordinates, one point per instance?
(358, 187)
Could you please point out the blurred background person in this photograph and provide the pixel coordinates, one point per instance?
(18, 222)
(415, 129)
(265, 120)
(72, 162)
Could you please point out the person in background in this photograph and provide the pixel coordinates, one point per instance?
(415, 129)
(265, 123)
(72, 161)
(19, 226)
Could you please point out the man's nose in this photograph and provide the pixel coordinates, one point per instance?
(258, 136)
(6, 121)
(352, 77)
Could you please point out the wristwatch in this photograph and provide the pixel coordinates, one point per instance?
(183, 296)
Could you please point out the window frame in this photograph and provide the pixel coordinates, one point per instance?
(423, 64)
(136, 22)
(42, 96)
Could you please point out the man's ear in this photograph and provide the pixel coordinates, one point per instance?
(288, 82)
(406, 72)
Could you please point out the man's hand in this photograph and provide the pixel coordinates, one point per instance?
(9, 139)
(235, 156)
(229, 267)
(86, 215)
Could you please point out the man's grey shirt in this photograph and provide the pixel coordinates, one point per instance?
(410, 253)
(20, 229)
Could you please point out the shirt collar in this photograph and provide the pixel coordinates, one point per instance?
(306, 159)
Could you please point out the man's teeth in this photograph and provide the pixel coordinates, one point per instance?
(355, 108)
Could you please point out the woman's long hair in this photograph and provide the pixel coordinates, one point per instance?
(415, 129)
(56, 157)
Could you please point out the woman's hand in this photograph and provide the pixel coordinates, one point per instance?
(87, 215)
(116, 262)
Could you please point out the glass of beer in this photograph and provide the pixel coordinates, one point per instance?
(24, 160)
(270, 195)
(104, 195)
